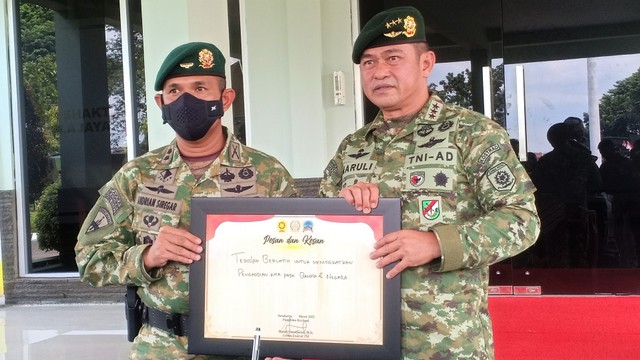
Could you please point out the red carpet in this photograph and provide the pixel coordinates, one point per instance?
(566, 328)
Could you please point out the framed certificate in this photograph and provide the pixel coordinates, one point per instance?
(298, 269)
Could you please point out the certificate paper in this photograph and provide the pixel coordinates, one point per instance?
(305, 280)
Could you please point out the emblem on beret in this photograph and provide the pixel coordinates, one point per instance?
(409, 27)
(186, 65)
(206, 59)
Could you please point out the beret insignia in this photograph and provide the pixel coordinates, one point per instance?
(206, 59)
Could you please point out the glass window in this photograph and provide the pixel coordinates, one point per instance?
(73, 116)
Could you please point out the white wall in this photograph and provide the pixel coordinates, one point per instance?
(290, 50)
(168, 24)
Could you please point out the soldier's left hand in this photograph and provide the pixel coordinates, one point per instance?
(408, 247)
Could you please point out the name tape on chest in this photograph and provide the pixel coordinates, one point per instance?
(157, 203)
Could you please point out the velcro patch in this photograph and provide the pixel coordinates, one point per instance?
(165, 191)
(429, 178)
(236, 182)
(102, 219)
(440, 156)
(430, 209)
(359, 167)
(501, 177)
(157, 203)
(149, 221)
(166, 176)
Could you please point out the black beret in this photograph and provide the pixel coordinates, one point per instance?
(195, 58)
(398, 25)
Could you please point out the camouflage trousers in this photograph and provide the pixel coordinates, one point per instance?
(155, 344)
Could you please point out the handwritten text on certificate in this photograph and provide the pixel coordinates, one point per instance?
(295, 277)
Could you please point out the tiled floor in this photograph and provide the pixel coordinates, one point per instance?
(64, 332)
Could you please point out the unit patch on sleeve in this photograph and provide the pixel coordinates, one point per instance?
(487, 152)
(102, 219)
(501, 177)
(430, 209)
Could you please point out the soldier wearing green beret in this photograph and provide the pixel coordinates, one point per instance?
(466, 200)
(137, 232)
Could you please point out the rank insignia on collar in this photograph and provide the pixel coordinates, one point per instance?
(166, 158)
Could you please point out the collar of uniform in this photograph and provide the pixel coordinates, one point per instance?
(429, 114)
(431, 110)
(233, 153)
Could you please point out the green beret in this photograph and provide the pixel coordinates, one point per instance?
(398, 25)
(196, 58)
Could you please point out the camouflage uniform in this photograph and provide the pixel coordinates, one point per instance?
(156, 190)
(457, 176)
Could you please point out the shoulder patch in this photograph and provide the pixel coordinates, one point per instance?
(501, 177)
(102, 219)
(487, 152)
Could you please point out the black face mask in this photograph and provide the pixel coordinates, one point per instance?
(191, 117)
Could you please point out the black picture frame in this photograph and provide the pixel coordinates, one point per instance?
(201, 208)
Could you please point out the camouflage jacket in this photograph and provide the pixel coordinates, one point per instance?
(156, 190)
(457, 175)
